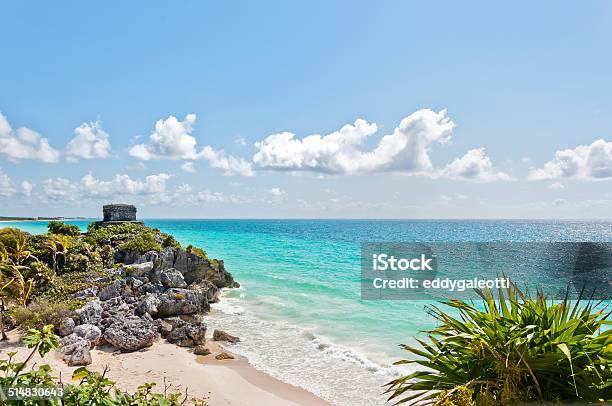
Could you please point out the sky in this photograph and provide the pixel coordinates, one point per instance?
(307, 109)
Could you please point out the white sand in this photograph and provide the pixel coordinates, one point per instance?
(225, 382)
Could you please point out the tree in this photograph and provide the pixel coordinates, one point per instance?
(14, 266)
(59, 227)
(3, 260)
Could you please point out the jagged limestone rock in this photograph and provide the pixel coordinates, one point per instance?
(75, 350)
(66, 327)
(91, 313)
(172, 278)
(130, 334)
(89, 332)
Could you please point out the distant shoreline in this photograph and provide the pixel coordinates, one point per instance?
(15, 219)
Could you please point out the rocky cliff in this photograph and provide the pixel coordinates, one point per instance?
(161, 293)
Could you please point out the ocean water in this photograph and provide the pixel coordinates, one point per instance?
(299, 312)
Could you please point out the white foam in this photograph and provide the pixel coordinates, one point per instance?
(300, 356)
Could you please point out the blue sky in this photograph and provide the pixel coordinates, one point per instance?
(519, 81)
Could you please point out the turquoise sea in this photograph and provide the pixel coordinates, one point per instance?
(299, 311)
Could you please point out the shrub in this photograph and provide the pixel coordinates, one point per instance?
(41, 275)
(516, 349)
(107, 255)
(197, 251)
(15, 243)
(41, 313)
(92, 388)
(82, 257)
(76, 262)
(115, 234)
(61, 228)
(170, 241)
(141, 244)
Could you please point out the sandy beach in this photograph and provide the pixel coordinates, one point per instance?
(226, 382)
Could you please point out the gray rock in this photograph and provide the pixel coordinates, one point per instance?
(198, 333)
(180, 337)
(86, 293)
(163, 327)
(188, 335)
(195, 269)
(207, 288)
(148, 304)
(110, 304)
(89, 332)
(130, 334)
(75, 350)
(220, 335)
(112, 291)
(91, 313)
(69, 340)
(138, 269)
(172, 278)
(134, 284)
(177, 301)
(195, 318)
(149, 287)
(105, 322)
(66, 327)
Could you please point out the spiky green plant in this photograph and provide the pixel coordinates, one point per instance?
(511, 349)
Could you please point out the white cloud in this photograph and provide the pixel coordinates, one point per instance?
(585, 162)
(91, 188)
(206, 196)
(228, 163)
(240, 141)
(475, 165)
(188, 167)
(556, 185)
(172, 139)
(26, 188)
(24, 143)
(277, 192)
(61, 189)
(90, 141)
(7, 188)
(405, 150)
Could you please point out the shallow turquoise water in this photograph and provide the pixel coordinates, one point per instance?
(299, 309)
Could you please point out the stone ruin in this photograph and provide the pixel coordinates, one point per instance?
(119, 213)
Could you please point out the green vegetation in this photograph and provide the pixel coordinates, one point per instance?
(516, 349)
(170, 241)
(40, 313)
(141, 243)
(43, 276)
(61, 228)
(195, 250)
(91, 388)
